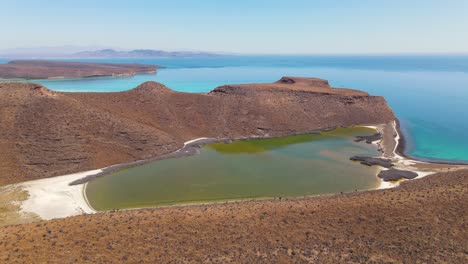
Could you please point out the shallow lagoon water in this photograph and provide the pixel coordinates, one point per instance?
(279, 167)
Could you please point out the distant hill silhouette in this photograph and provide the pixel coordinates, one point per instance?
(93, 52)
(111, 53)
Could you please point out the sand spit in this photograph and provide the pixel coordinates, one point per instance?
(399, 162)
(390, 144)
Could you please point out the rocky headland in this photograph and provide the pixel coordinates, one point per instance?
(43, 69)
(51, 133)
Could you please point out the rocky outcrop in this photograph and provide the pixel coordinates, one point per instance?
(50, 133)
(395, 175)
(369, 161)
(41, 69)
(369, 139)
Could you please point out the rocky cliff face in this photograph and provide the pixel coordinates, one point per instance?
(45, 133)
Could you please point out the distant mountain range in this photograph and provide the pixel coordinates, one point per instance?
(110, 53)
(72, 52)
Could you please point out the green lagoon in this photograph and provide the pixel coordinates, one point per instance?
(260, 168)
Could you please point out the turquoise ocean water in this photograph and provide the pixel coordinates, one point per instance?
(429, 93)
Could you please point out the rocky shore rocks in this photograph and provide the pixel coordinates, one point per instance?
(395, 175)
(369, 161)
(369, 139)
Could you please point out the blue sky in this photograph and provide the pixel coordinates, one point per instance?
(254, 26)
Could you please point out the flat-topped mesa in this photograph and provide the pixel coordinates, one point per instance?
(42, 69)
(317, 82)
(285, 84)
(71, 132)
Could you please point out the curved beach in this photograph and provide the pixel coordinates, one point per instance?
(55, 198)
(58, 197)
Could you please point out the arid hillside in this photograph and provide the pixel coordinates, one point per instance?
(41, 69)
(422, 221)
(48, 133)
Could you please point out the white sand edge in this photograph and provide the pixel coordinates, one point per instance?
(194, 140)
(51, 198)
(400, 162)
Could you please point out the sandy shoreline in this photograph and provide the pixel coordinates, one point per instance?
(58, 197)
(51, 198)
(399, 161)
(64, 196)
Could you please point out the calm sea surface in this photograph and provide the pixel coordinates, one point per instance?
(429, 94)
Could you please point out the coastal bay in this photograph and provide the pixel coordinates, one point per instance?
(234, 132)
(140, 104)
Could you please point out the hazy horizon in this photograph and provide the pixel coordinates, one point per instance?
(241, 27)
(69, 50)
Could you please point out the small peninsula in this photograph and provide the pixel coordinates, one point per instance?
(45, 69)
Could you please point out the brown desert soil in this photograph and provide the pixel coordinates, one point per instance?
(421, 221)
(48, 133)
(41, 69)
(10, 213)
